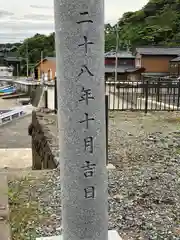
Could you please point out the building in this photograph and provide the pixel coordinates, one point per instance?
(14, 63)
(174, 67)
(9, 58)
(46, 68)
(126, 67)
(155, 60)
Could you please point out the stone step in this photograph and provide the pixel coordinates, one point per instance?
(4, 208)
(112, 235)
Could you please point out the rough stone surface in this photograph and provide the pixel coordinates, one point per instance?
(112, 235)
(4, 209)
(43, 130)
(81, 120)
(110, 166)
(144, 192)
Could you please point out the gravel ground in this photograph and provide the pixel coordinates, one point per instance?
(144, 190)
(144, 201)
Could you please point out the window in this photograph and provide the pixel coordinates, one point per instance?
(174, 65)
(124, 63)
(109, 61)
(138, 62)
(10, 70)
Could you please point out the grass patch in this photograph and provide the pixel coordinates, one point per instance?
(173, 119)
(178, 151)
(25, 213)
(111, 114)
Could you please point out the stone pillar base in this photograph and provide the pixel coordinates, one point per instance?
(112, 235)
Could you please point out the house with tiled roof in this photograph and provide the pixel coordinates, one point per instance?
(155, 60)
(46, 68)
(8, 57)
(125, 68)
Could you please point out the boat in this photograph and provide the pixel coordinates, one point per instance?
(7, 91)
(5, 87)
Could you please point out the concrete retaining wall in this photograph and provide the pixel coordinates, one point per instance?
(44, 142)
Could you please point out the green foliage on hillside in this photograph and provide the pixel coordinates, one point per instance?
(37, 44)
(157, 23)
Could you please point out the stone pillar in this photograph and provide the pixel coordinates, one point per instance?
(79, 28)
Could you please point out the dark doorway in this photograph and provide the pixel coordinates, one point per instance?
(36, 73)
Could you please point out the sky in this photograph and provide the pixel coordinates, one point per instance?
(20, 19)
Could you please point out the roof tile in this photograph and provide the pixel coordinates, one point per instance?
(158, 50)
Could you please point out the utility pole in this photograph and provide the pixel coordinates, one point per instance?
(45, 87)
(27, 60)
(17, 70)
(117, 48)
(41, 68)
(128, 44)
(5, 52)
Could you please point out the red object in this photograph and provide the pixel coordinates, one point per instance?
(110, 61)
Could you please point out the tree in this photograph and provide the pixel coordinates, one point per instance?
(156, 23)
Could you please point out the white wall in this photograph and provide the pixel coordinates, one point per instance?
(51, 98)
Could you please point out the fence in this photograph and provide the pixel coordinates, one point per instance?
(148, 95)
(145, 95)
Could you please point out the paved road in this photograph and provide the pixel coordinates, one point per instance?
(13, 158)
(8, 103)
(15, 134)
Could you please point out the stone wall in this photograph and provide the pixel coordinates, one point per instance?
(43, 130)
(36, 95)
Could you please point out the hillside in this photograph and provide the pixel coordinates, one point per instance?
(157, 23)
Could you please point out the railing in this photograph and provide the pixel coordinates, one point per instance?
(9, 116)
(160, 95)
(13, 114)
(157, 95)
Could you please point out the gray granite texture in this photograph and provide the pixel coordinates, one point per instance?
(144, 192)
(79, 28)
